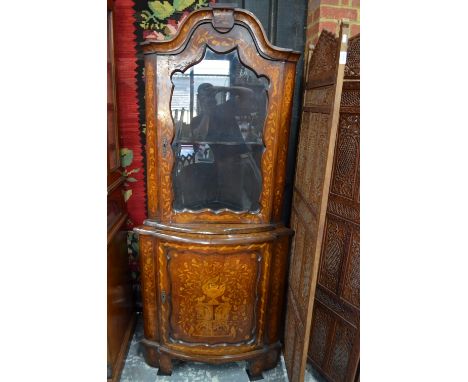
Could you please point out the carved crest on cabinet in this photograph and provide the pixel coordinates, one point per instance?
(223, 19)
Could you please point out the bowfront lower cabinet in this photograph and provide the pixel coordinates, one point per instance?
(213, 250)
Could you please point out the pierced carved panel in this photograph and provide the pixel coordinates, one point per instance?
(347, 156)
(301, 161)
(213, 297)
(322, 67)
(297, 259)
(352, 67)
(307, 263)
(343, 207)
(341, 351)
(321, 326)
(310, 176)
(319, 158)
(350, 98)
(319, 97)
(334, 251)
(351, 288)
(336, 305)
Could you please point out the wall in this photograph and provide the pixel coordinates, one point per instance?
(325, 14)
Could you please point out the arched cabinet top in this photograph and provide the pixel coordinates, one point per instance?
(222, 18)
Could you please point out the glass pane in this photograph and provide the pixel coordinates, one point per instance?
(219, 107)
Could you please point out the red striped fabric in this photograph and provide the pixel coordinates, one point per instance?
(125, 59)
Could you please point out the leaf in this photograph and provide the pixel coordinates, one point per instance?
(132, 171)
(180, 5)
(126, 155)
(127, 194)
(135, 247)
(131, 180)
(200, 4)
(162, 10)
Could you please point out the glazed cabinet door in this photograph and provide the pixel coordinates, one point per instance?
(218, 112)
(212, 295)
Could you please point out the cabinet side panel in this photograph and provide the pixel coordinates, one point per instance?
(151, 146)
(283, 137)
(148, 281)
(277, 289)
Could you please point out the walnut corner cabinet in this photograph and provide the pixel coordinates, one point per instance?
(213, 250)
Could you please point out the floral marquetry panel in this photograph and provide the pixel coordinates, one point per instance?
(216, 294)
(211, 296)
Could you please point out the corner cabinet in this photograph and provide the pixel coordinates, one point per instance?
(213, 250)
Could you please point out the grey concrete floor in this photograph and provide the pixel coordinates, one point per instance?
(136, 370)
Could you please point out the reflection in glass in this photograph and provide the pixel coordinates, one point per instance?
(219, 107)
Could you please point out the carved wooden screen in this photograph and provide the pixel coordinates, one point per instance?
(313, 172)
(334, 340)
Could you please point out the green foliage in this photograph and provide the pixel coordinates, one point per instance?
(126, 157)
(149, 21)
(162, 10)
(180, 5)
(127, 194)
(158, 12)
(200, 4)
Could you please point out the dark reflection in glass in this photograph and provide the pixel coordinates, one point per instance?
(219, 107)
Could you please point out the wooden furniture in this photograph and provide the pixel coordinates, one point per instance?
(334, 336)
(213, 250)
(120, 312)
(316, 148)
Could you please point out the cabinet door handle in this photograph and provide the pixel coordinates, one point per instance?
(163, 296)
(164, 146)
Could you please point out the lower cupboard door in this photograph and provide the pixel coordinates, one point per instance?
(213, 295)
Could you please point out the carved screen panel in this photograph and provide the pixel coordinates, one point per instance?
(313, 172)
(219, 108)
(334, 339)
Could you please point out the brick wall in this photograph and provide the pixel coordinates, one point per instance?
(326, 14)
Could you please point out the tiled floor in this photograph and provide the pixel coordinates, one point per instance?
(136, 370)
